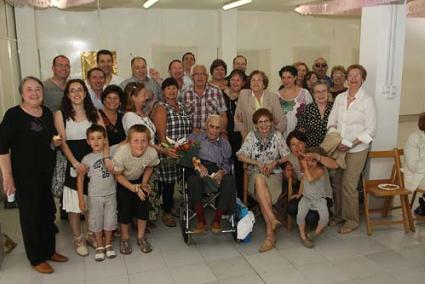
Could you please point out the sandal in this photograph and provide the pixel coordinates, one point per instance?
(307, 243)
(144, 245)
(90, 240)
(80, 246)
(344, 230)
(312, 235)
(110, 252)
(99, 254)
(276, 224)
(125, 247)
(168, 220)
(267, 245)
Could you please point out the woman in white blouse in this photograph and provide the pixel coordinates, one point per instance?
(135, 114)
(353, 116)
(414, 170)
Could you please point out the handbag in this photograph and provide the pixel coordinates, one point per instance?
(58, 178)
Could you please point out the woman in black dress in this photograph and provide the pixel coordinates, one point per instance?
(231, 96)
(27, 159)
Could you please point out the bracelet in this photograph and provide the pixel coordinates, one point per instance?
(78, 163)
(107, 158)
(137, 188)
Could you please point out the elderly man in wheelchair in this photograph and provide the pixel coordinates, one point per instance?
(215, 162)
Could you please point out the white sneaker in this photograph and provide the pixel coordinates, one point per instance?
(110, 252)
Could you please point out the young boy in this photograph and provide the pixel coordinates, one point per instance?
(101, 203)
(312, 190)
(134, 162)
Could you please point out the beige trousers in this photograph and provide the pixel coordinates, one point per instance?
(345, 194)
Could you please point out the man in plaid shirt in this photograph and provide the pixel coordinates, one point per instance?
(201, 99)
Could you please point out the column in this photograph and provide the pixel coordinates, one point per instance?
(382, 43)
(26, 33)
(228, 36)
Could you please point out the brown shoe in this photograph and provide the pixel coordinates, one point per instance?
(215, 227)
(168, 220)
(267, 245)
(58, 258)
(44, 267)
(200, 228)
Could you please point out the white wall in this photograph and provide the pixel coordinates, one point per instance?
(271, 39)
(130, 32)
(289, 37)
(9, 66)
(413, 85)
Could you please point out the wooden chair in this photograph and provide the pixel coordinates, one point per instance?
(370, 187)
(400, 153)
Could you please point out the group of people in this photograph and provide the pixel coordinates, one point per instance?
(113, 134)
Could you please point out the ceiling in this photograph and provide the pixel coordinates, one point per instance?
(256, 5)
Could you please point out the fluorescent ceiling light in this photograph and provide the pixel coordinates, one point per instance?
(149, 3)
(236, 4)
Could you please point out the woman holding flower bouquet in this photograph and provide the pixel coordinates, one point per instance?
(171, 121)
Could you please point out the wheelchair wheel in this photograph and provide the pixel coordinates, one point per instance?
(185, 235)
(235, 236)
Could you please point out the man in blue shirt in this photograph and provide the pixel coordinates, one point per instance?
(215, 155)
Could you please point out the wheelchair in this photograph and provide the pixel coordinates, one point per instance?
(187, 214)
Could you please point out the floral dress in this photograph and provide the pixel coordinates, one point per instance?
(294, 108)
(313, 125)
(264, 150)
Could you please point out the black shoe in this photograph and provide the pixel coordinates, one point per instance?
(56, 229)
(10, 205)
(420, 210)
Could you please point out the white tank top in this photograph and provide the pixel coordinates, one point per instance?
(76, 130)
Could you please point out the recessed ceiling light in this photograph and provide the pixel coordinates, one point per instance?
(149, 3)
(236, 4)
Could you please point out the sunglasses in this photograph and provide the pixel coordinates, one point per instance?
(323, 65)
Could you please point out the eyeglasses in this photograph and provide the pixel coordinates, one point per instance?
(318, 65)
(199, 74)
(76, 91)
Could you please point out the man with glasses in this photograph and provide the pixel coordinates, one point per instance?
(54, 87)
(320, 67)
(201, 100)
(139, 70)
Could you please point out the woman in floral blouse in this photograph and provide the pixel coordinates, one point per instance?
(264, 149)
(313, 121)
(293, 99)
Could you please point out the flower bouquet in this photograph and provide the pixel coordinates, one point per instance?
(185, 149)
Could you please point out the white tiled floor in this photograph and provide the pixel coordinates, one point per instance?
(388, 256)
